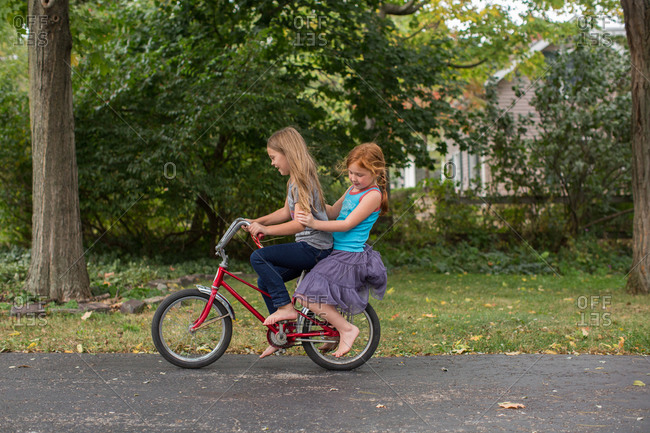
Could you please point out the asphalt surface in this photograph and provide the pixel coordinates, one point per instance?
(239, 393)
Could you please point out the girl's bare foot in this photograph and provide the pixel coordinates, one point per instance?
(268, 351)
(286, 312)
(347, 340)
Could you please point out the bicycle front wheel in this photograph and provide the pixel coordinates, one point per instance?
(177, 343)
(321, 350)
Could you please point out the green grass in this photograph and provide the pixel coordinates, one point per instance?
(434, 314)
(422, 314)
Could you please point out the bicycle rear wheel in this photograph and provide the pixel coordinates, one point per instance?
(362, 349)
(170, 330)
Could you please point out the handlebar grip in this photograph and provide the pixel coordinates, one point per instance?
(258, 239)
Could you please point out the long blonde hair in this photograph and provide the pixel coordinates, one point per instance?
(370, 157)
(302, 167)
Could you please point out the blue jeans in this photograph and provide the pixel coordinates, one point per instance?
(277, 264)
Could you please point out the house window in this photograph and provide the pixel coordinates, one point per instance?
(457, 160)
(474, 171)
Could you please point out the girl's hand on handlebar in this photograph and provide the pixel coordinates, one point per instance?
(304, 218)
(256, 228)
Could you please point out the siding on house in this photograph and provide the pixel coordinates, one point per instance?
(468, 166)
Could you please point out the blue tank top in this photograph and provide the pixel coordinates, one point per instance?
(354, 239)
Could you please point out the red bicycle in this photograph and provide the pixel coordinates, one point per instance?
(192, 328)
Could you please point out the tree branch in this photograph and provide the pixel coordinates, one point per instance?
(473, 65)
(609, 217)
(392, 9)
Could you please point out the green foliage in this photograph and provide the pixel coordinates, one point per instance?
(14, 263)
(174, 103)
(578, 149)
(477, 238)
(15, 149)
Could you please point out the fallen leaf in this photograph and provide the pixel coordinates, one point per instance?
(427, 315)
(86, 315)
(380, 406)
(394, 316)
(13, 334)
(390, 291)
(638, 383)
(442, 302)
(80, 348)
(31, 345)
(513, 353)
(621, 343)
(476, 337)
(509, 405)
(585, 331)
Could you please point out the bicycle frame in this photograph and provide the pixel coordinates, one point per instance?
(219, 282)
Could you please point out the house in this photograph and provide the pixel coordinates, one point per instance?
(469, 170)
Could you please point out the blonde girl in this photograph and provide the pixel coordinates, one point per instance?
(277, 264)
(353, 270)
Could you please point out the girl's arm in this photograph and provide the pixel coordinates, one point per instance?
(334, 210)
(371, 201)
(286, 228)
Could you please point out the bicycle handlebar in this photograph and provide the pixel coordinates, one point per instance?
(234, 227)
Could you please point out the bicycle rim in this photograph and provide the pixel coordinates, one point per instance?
(362, 349)
(200, 347)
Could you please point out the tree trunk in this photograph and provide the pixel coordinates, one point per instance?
(58, 268)
(637, 27)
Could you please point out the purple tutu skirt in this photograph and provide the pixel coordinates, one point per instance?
(345, 279)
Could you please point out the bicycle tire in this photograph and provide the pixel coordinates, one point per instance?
(170, 330)
(362, 350)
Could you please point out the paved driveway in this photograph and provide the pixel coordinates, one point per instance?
(239, 393)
